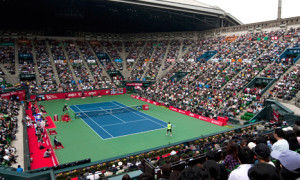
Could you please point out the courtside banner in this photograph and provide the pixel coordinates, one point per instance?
(216, 122)
(20, 93)
(81, 93)
(145, 100)
(188, 113)
(134, 84)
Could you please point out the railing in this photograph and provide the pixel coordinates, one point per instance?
(25, 143)
(79, 168)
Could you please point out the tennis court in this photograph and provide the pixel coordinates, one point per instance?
(113, 119)
(81, 141)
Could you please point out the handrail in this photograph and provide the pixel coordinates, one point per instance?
(148, 150)
(25, 143)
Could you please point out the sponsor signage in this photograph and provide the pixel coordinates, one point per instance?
(24, 41)
(220, 122)
(84, 93)
(94, 42)
(21, 94)
(170, 60)
(130, 60)
(118, 60)
(275, 115)
(134, 84)
(91, 61)
(145, 100)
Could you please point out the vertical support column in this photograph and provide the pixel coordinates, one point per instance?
(279, 9)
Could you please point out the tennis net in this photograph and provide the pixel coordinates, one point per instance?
(84, 114)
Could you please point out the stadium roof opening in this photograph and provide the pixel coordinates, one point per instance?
(114, 16)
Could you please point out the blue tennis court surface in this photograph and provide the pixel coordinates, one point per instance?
(120, 124)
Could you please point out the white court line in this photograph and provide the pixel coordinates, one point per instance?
(88, 124)
(133, 133)
(95, 123)
(88, 109)
(125, 122)
(142, 116)
(112, 115)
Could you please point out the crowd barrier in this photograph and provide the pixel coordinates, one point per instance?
(221, 121)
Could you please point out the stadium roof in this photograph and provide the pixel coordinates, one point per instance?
(113, 16)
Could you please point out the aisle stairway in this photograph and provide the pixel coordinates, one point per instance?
(53, 63)
(17, 58)
(37, 73)
(71, 67)
(85, 63)
(137, 59)
(98, 62)
(146, 68)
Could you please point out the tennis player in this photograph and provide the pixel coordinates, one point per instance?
(169, 129)
(65, 108)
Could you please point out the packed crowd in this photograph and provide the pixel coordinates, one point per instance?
(46, 72)
(250, 154)
(239, 59)
(78, 65)
(134, 54)
(9, 123)
(288, 87)
(114, 49)
(67, 81)
(7, 54)
(263, 151)
(101, 81)
(26, 66)
(142, 61)
(215, 88)
(157, 59)
(172, 55)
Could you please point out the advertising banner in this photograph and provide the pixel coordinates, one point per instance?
(21, 94)
(145, 100)
(91, 61)
(24, 41)
(275, 115)
(118, 60)
(170, 60)
(213, 121)
(94, 42)
(83, 93)
(220, 122)
(134, 84)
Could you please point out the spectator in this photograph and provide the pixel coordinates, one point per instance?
(231, 159)
(263, 171)
(56, 143)
(19, 169)
(290, 162)
(246, 157)
(213, 169)
(291, 138)
(262, 153)
(166, 171)
(126, 177)
(281, 144)
(195, 172)
(47, 153)
(297, 133)
(145, 176)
